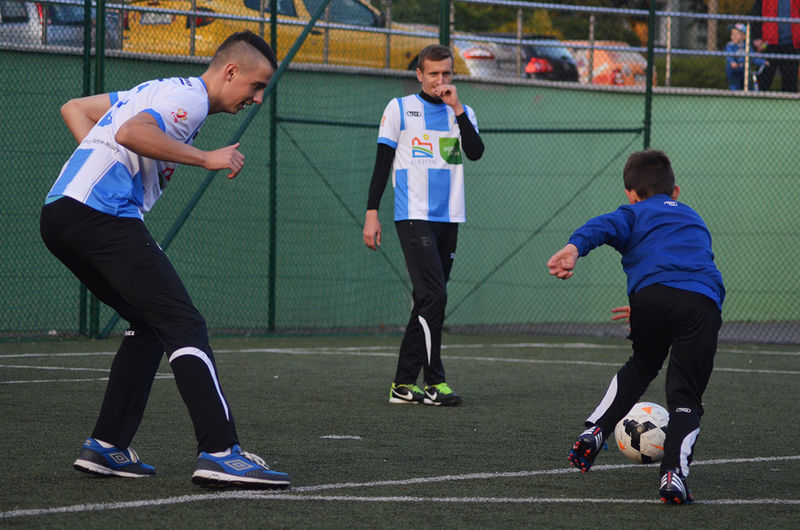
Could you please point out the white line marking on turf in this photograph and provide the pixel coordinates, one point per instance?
(356, 353)
(297, 495)
(340, 437)
(29, 381)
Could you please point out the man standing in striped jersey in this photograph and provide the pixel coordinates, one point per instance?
(420, 141)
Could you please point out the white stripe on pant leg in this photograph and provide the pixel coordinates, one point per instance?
(200, 354)
(687, 446)
(601, 409)
(426, 330)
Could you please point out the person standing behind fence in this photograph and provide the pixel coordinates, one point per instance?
(779, 38)
(735, 61)
(130, 145)
(420, 140)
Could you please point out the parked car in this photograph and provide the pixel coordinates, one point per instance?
(160, 30)
(609, 67)
(540, 57)
(548, 59)
(43, 24)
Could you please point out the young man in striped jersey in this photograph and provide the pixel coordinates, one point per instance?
(420, 141)
(130, 145)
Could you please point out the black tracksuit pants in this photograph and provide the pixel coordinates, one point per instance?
(663, 319)
(120, 263)
(429, 249)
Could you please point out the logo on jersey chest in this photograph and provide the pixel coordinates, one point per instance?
(179, 115)
(421, 148)
(449, 149)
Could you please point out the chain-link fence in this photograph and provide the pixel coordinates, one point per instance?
(279, 249)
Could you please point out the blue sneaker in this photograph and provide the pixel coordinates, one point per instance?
(112, 461)
(239, 468)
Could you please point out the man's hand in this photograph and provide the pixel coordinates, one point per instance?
(225, 158)
(449, 95)
(372, 230)
(563, 261)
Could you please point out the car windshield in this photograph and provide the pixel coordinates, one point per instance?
(285, 7)
(62, 15)
(345, 12)
(554, 50)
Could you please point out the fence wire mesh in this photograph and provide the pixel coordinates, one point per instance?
(554, 157)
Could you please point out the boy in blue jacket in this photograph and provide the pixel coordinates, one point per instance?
(676, 295)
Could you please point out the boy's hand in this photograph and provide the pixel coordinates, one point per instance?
(622, 312)
(563, 261)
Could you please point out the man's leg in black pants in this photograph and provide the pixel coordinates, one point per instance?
(429, 249)
(131, 377)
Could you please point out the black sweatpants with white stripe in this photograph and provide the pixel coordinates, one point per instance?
(684, 326)
(429, 249)
(120, 263)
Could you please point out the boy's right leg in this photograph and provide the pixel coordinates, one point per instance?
(651, 341)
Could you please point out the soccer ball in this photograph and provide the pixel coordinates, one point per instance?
(640, 434)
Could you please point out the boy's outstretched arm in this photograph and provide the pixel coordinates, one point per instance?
(563, 261)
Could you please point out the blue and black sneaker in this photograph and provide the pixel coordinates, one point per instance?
(585, 449)
(238, 468)
(111, 461)
(673, 488)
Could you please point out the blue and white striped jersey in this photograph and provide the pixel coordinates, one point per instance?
(427, 172)
(112, 179)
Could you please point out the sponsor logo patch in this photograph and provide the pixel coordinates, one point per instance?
(420, 149)
(179, 115)
(450, 150)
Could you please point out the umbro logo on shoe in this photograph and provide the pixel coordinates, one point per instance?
(239, 464)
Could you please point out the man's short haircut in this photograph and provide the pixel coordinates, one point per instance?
(649, 173)
(434, 52)
(235, 45)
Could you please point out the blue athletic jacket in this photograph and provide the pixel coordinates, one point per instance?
(661, 241)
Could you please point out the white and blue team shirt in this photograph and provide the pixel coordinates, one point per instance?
(112, 179)
(427, 171)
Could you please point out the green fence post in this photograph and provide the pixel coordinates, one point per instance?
(648, 92)
(273, 177)
(444, 23)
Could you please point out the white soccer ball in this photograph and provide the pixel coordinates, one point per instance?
(640, 434)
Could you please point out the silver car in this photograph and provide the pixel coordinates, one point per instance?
(39, 24)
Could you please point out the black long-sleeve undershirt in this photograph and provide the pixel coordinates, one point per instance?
(471, 144)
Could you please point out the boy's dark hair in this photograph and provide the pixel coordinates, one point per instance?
(649, 173)
(250, 38)
(434, 52)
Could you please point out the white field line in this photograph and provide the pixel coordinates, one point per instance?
(372, 352)
(296, 494)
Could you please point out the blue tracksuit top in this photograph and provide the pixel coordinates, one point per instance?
(661, 241)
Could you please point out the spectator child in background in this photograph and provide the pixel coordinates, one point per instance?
(735, 60)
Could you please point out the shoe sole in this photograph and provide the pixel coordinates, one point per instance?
(578, 457)
(452, 403)
(676, 500)
(221, 480)
(403, 401)
(93, 468)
